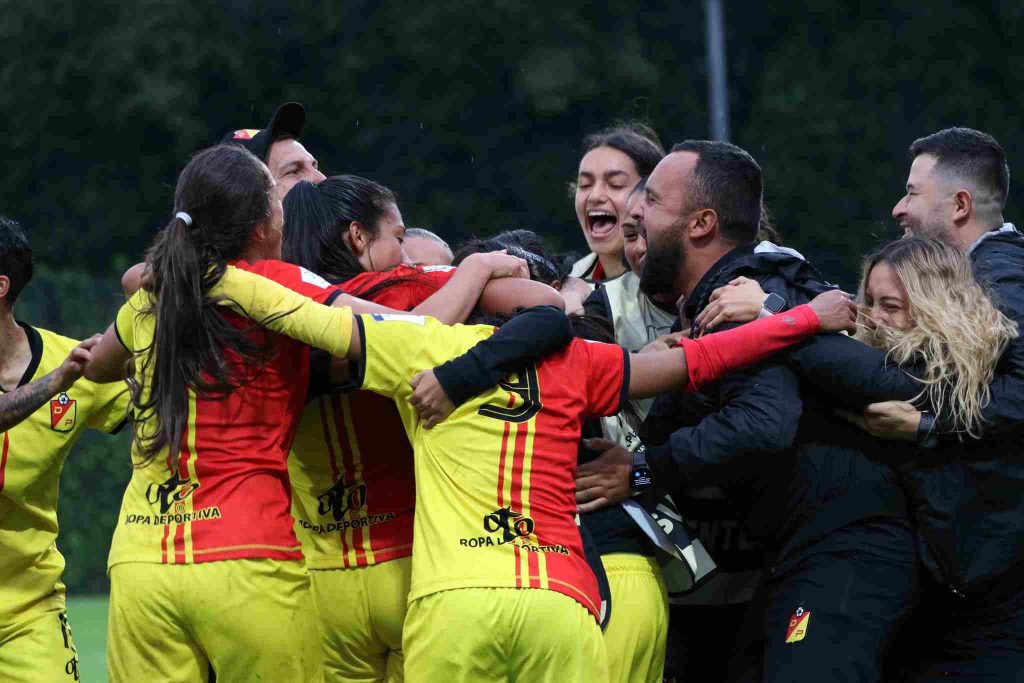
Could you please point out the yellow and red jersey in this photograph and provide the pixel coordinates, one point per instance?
(229, 496)
(351, 465)
(32, 457)
(495, 503)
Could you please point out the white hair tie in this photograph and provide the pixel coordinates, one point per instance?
(186, 219)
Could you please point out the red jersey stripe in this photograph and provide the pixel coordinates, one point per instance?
(3, 458)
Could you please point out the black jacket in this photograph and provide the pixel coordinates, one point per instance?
(792, 473)
(967, 495)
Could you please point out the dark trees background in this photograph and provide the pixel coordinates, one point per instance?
(473, 112)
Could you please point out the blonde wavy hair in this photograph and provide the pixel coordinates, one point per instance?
(957, 335)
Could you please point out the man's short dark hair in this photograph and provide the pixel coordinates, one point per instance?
(15, 258)
(970, 155)
(727, 180)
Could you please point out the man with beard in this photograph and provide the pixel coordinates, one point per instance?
(966, 492)
(769, 481)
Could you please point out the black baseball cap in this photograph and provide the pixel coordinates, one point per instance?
(289, 118)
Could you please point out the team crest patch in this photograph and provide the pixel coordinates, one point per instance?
(246, 133)
(798, 624)
(62, 413)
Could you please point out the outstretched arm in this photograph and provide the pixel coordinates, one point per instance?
(18, 404)
(696, 362)
(265, 302)
(524, 339)
(498, 282)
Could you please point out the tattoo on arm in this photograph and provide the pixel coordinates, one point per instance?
(17, 405)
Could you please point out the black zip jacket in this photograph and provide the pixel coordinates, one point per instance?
(792, 473)
(967, 495)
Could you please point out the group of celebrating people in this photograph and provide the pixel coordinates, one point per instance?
(361, 455)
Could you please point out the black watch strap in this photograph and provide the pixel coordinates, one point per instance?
(926, 435)
(640, 476)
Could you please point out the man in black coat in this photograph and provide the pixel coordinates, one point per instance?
(968, 494)
(772, 480)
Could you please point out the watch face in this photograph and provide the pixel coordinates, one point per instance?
(774, 303)
(641, 478)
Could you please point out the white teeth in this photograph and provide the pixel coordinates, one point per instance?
(600, 214)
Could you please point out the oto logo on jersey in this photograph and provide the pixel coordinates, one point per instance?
(510, 523)
(341, 498)
(798, 624)
(174, 490)
(63, 411)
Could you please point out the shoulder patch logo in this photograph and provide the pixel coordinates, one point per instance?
(798, 624)
(311, 278)
(246, 133)
(63, 410)
(398, 318)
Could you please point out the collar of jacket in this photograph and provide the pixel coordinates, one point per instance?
(702, 292)
(1007, 230)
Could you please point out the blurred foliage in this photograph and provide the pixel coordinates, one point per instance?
(473, 112)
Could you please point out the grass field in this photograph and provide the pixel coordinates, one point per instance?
(88, 617)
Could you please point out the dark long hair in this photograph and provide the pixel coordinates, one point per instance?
(636, 140)
(541, 259)
(318, 218)
(226, 192)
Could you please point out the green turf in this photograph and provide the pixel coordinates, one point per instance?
(88, 618)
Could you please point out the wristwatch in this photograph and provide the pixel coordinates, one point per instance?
(927, 437)
(640, 476)
(772, 304)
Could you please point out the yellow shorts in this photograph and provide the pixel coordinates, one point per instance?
(36, 647)
(251, 620)
(502, 635)
(636, 633)
(361, 613)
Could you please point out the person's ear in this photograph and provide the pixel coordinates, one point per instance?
(5, 286)
(702, 224)
(358, 238)
(963, 206)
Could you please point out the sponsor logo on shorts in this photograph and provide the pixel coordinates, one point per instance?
(506, 526)
(63, 410)
(174, 490)
(798, 624)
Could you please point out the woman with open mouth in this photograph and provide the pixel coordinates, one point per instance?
(614, 160)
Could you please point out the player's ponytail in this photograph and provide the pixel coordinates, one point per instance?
(221, 197)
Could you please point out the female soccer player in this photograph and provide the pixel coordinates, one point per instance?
(44, 408)
(614, 161)
(205, 567)
(495, 484)
(351, 464)
(636, 630)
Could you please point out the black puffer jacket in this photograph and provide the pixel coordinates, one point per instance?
(967, 495)
(792, 472)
